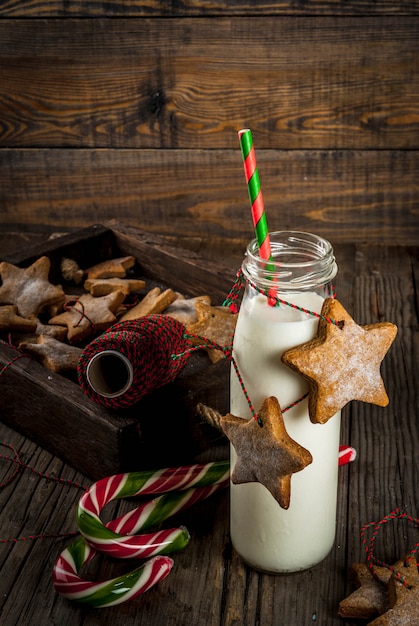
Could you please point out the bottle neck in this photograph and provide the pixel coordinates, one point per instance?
(300, 262)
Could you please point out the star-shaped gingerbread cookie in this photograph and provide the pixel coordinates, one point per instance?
(29, 289)
(102, 286)
(87, 315)
(342, 363)
(155, 301)
(265, 454)
(216, 323)
(111, 268)
(404, 598)
(11, 320)
(370, 598)
(52, 353)
(184, 309)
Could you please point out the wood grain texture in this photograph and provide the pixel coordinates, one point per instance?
(138, 8)
(343, 195)
(162, 427)
(318, 83)
(130, 110)
(209, 585)
(387, 458)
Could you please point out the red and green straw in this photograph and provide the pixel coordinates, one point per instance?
(260, 223)
(255, 193)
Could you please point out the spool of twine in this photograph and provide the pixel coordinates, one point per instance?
(131, 359)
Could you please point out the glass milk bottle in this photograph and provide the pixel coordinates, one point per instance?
(267, 537)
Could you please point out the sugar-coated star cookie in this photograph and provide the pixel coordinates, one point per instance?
(342, 363)
(11, 320)
(87, 315)
(265, 454)
(216, 323)
(55, 331)
(112, 268)
(155, 301)
(102, 286)
(52, 353)
(184, 309)
(29, 289)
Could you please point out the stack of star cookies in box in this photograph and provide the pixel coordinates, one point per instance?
(53, 326)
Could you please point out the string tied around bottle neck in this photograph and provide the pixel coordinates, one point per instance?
(233, 297)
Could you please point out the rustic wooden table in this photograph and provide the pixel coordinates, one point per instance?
(209, 585)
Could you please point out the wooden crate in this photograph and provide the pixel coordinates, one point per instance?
(163, 428)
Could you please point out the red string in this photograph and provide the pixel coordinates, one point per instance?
(20, 466)
(21, 355)
(372, 560)
(239, 282)
(233, 295)
(15, 459)
(231, 302)
(71, 304)
(290, 406)
(227, 350)
(40, 536)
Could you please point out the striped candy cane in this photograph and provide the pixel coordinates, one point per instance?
(69, 584)
(179, 488)
(347, 454)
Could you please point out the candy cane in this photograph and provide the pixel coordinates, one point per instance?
(119, 538)
(193, 483)
(110, 592)
(347, 454)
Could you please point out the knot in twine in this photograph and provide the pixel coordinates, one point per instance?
(131, 359)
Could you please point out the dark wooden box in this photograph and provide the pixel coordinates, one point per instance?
(163, 428)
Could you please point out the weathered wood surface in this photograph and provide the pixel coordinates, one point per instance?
(136, 117)
(209, 585)
(343, 195)
(191, 83)
(138, 8)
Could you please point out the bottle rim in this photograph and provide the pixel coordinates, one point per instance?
(299, 260)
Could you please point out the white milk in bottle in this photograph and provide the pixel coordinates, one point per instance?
(267, 537)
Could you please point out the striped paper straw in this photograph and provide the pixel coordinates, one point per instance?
(255, 193)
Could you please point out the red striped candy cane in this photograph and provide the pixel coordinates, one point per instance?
(69, 584)
(346, 455)
(179, 488)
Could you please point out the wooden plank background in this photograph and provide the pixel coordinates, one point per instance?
(131, 110)
(39, 8)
